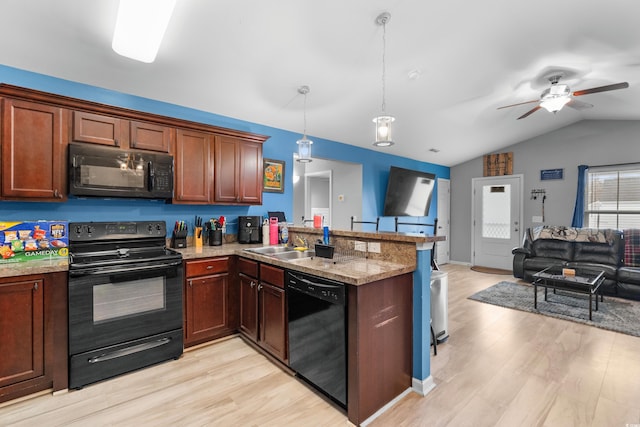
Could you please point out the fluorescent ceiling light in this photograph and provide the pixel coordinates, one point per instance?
(140, 27)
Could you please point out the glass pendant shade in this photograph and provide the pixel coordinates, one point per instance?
(384, 134)
(304, 149)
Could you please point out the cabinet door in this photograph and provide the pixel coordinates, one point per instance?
(237, 171)
(21, 331)
(250, 172)
(273, 320)
(248, 306)
(149, 136)
(226, 170)
(99, 129)
(192, 169)
(33, 138)
(207, 313)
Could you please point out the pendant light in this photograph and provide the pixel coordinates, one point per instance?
(384, 136)
(304, 144)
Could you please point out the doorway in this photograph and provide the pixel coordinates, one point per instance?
(444, 203)
(496, 220)
(318, 195)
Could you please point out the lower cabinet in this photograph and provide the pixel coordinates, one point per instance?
(33, 333)
(263, 317)
(210, 300)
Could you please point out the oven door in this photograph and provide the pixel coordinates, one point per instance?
(109, 306)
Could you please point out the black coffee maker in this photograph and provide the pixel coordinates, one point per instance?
(249, 229)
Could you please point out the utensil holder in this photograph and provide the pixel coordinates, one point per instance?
(215, 237)
(179, 239)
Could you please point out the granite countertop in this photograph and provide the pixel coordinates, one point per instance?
(33, 267)
(354, 271)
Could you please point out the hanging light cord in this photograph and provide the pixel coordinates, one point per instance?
(304, 130)
(384, 49)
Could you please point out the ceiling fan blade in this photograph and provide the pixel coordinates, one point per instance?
(616, 86)
(515, 105)
(530, 112)
(578, 105)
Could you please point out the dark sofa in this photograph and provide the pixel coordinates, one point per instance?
(607, 250)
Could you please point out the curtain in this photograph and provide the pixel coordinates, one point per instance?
(578, 210)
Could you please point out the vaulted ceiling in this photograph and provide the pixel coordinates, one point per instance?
(449, 64)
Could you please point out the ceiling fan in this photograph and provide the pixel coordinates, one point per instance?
(559, 95)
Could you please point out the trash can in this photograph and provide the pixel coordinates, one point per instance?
(440, 304)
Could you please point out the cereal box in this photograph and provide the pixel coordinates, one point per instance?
(22, 241)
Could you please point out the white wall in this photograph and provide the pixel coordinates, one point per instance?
(589, 142)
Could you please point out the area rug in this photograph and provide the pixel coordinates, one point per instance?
(613, 314)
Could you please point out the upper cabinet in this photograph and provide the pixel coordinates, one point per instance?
(192, 167)
(237, 171)
(33, 140)
(99, 129)
(118, 132)
(212, 165)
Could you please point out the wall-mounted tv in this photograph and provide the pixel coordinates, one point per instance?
(408, 192)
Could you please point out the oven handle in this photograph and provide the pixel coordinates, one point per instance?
(103, 271)
(130, 350)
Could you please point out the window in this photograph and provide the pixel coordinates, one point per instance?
(613, 197)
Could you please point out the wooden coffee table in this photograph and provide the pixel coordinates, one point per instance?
(584, 282)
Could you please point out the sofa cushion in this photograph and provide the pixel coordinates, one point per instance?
(632, 247)
(598, 253)
(629, 275)
(552, 248)
(540, 263)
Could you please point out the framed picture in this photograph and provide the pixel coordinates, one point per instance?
(273, 176)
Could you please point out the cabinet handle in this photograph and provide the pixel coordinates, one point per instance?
(252, 284)
(57, 194)
(191, 283)
(35, 286)
(115, 141)
(260, 286)
(209, 267)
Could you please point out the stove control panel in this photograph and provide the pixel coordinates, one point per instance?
(90, 231)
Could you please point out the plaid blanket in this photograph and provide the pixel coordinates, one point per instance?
(572, 234)
(632, 247)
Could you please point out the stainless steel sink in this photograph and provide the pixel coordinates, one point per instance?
(271, 250)
(282, 252)
(291, 255)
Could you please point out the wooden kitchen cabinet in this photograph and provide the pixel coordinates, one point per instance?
(209, 300)
(115, 131)
(33, 332)
(263, 315)
(193, 164)
(237, 171)
(33, 141)
(150, 136)
(100, 129)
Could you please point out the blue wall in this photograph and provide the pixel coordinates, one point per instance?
(281, 145)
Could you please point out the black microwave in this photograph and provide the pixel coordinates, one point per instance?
(100, 171)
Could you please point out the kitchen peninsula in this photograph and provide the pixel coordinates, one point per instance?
(381, 288)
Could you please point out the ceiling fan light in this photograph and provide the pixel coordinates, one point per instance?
(555, 104)
(140, 27)
(384, 134)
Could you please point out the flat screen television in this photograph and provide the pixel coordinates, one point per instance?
(408, 192)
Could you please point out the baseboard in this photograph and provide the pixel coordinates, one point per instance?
(385, 408)
(423, 387)
(468, 264)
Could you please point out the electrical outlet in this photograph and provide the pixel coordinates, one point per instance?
(537, 219)
(374, 247)
(360, 246)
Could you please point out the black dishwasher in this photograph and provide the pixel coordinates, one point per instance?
(317, 333)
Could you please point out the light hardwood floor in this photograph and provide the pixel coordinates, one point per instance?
(500, 367)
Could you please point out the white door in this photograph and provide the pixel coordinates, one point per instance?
(444, 203)
(497, 207)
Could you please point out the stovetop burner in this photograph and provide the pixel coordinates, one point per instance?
(95, 244)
